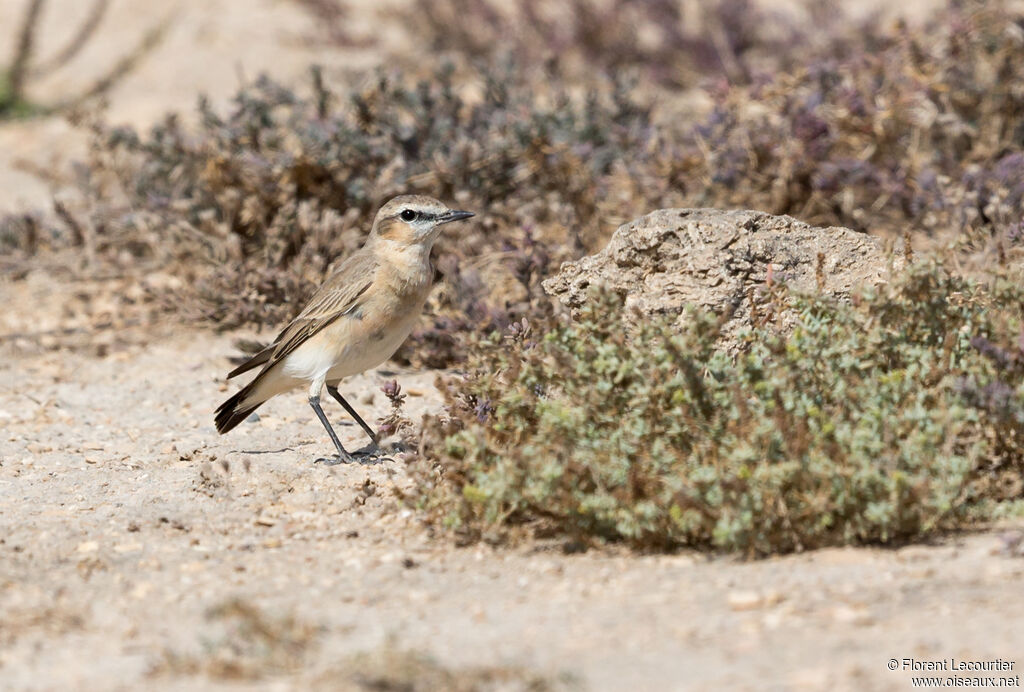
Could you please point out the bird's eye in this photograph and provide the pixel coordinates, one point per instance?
(408, 215)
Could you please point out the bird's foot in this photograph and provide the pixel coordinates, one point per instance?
(374, 457)
(342, 458)
(337, 459)
(371, 454)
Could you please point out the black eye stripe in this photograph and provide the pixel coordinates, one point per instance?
(413, 215)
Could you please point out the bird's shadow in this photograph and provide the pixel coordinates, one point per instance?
(262, 451)
(367, 454)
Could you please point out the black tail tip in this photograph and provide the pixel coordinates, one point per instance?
(230, 414)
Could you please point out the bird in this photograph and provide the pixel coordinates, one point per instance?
(354, 322)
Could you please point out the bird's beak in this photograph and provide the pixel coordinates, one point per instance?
(454, 216)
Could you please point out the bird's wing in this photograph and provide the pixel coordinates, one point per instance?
(255, 361)
(339, 295)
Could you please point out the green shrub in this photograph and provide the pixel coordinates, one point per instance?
(855, 427)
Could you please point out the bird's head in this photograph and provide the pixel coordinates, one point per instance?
(414, 220)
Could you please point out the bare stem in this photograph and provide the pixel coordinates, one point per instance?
(125, 66)
(85, 32)
(22, 54)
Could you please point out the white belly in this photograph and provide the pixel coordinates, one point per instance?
(345, 348)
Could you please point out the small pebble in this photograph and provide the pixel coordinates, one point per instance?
(745, 600)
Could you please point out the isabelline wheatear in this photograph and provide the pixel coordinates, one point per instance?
(356, 321)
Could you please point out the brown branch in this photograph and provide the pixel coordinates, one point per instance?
(125, 66)
(85, 31)
(77, 232)
(22, 54)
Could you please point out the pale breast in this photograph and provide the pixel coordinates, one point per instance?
(362, 338)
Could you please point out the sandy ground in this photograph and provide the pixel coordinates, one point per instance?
(139, 549)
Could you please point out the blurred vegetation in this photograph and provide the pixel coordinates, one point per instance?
(671, 44)
(23, 69)
(871, 125)
(877, 127)
(12, 104)
(392, 668)
(913, 131)
(556, 122)
(876, 422)
(250, 208)
(245, 644)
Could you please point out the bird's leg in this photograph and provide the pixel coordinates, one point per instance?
(343, 456)
(333, 391)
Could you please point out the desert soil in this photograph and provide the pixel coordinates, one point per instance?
(127, 524)
(139, 549)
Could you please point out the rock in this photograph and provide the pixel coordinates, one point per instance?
(719, 261)
(744, 600)
(750, 600)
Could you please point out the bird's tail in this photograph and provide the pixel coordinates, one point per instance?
(237, 408)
